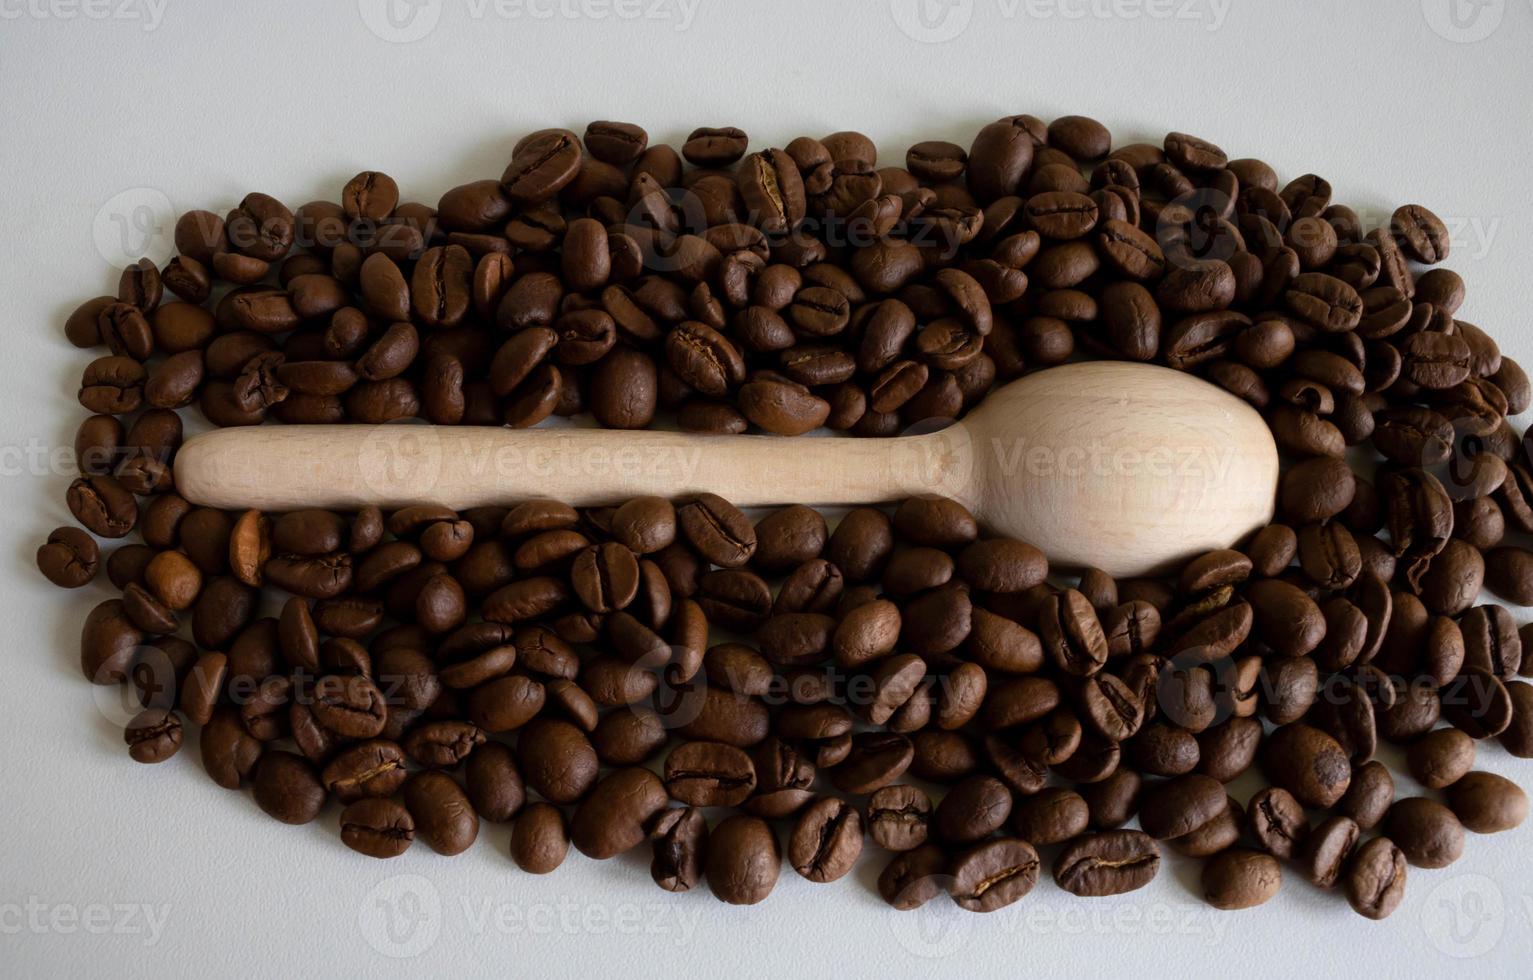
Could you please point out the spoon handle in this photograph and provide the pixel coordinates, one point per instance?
(282, 468)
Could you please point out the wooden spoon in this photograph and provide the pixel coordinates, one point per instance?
(1129, 468)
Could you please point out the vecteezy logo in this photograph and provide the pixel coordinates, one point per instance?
(133, 224)
(934, 930)
(1464, 916)
(1463, 21)
(400, 21)
(401, 916)
(399, 455)
(932, 21)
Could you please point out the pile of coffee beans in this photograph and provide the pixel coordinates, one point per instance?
(670, 672)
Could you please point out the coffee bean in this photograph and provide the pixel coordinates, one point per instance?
(1277, 822)
(379, 828)
(680, 843)
(826, 840)
(1308, 763)
(1325, 852)
(994, 874)
(373, 768)
(1375, 880)
(1227, 750)
(861, 544)
(876, 760)
(999, 157)
(287, 788)
(554, 758)
(1052, 816)
(703, 358)
(709, 774)
(109, 643)
(718, 530)
(972, 809)
(1427, 833)
(1241, 879)
(444, 817)
(542, 164)
(1487, 803)
(914, 877)
(1113, 862)
(539, 838)
(897, 817)
(1180, 806)
(1441, 757)
(70, 558)
(153, 735)
(743, 860)
(103, 505)
(613, 818)
(1477, 703)
(1369, 797)
(1072, 635)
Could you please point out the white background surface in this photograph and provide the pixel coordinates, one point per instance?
(117, 121)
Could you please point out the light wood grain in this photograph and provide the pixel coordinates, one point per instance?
(1125, 467)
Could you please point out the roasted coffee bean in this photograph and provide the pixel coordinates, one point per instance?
(999, 158)
(1375, 879)
(539, 838)
(1427, 833)
(994, 874)
(613, 817)
(680, 838)
(1277, 822)
(103, 505)
(914, 877)
(1215, 836)
(379, 828)
(351, 707)
(153, 735)
(1109, 863)
(826, 840)
(973, 809)
(555, 758)
(444, 817)
(1181, 805)
(1369, 796)
(374, 768)
(229, 753)
(942, 757)
(709, 774)
(1440, 757)
(1052, 816)
(1227, 750)
(541, 165)
(1324, 853)
(1487, 803)
(743, 860)
(898, 816)
(70, 558)
(718, 530)
(1308, 763)
(1285, 618)
(1241, 879)
(442, 744)
(1072, 635)
(286, 787)
(876, 760)
(1477, 703)
(861, 544)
